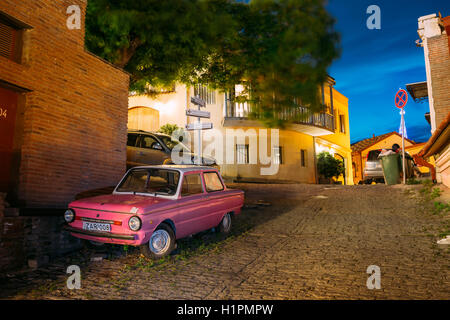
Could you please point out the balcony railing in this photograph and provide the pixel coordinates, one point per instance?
(298, 115)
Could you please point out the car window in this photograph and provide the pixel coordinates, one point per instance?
(171, 143)
(132, 137)
(159, 181)
(212, 182)
(373, 155)
(135, 181)
(192, 184)
(148, 142)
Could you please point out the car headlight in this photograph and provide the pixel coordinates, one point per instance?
(134, 223)
(69, 215)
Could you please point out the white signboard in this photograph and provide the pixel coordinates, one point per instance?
(199, 126)
(198, 113)
(199, 102)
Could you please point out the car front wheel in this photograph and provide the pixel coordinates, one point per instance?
(161, 243)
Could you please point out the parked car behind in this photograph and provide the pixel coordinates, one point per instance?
(373, 171)
(151, 148)
(153, 206)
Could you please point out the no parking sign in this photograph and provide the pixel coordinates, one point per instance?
(401, 98)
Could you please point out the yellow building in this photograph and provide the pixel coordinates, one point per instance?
(294, 152)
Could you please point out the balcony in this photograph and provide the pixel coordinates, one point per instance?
(314, 124)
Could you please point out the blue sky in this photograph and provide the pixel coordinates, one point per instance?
(374, 64)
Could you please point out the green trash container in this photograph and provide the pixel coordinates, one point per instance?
(391, 168)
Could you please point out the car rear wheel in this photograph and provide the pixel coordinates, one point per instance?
(225, 224)
(161, 243)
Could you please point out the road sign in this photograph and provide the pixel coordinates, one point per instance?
(199, 126)
(198, 102)
(198, 113)
(401, 98)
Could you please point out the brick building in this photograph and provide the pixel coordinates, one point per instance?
(63, 111)
(434, 32)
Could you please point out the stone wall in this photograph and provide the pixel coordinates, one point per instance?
(34, 239)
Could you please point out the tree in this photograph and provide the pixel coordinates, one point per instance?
(279, 50)
(328, 166)
(168, 129)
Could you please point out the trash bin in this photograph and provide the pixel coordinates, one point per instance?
(391, 168)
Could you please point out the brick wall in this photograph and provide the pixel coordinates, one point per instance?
(439, 56)
(74, 121)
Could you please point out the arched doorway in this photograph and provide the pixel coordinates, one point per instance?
(143, 118)
(337, 155)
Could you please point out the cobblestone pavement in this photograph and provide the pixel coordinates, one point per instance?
(312, 242)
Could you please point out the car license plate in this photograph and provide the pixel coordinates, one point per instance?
(93, 226)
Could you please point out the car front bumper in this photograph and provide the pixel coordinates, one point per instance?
(377, 173)
(107, 237)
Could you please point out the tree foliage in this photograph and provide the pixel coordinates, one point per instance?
(328, 166)
(168, 129)
(278, 49)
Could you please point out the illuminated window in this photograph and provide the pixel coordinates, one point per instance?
(277, 157)
(342, 123)
(242, 156)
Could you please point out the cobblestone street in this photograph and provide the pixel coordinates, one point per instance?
(290, 242)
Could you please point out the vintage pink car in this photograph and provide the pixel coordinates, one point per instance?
(152, 206)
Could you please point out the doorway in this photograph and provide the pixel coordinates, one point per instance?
(8, 110)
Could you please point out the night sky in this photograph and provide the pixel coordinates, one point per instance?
(374, 64)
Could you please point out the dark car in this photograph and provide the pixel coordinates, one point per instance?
(152, 148)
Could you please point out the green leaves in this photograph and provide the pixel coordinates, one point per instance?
(328, 166)
(278, 49)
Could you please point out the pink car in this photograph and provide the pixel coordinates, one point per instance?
(152, 206)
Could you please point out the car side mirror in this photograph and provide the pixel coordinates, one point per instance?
(157, 146)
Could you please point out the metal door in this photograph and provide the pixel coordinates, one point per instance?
(8, 109)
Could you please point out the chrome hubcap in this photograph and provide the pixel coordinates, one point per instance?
(159, 241)
(226, 222)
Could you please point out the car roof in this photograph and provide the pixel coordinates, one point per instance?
(180, 167)
(148, 132)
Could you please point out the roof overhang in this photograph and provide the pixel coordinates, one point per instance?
(439, 139)
(418, 90)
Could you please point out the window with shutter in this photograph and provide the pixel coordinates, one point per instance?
(7, 41)
(12, 37)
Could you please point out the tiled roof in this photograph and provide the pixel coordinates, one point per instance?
(364, 144)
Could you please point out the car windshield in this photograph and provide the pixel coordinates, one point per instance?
(373, 155)
(171, 143)
(153, 181)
